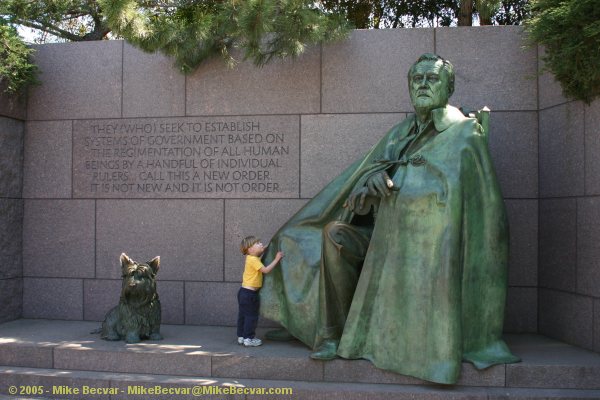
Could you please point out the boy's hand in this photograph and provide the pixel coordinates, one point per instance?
(279, 255)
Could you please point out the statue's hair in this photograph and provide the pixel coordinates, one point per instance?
(248, 242)
(448, 67)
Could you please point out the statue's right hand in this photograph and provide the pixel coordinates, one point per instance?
(380, 184)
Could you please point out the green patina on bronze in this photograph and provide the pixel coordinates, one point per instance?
(419, 285)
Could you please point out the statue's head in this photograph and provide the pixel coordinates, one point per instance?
(430, 82)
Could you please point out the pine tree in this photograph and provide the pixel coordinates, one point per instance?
(16, 70)
(193, 31)
(569, 30)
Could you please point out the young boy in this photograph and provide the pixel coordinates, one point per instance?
(248, 300)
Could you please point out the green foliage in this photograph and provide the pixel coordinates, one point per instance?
(193, 31)
(71, 20)
(570, 32)
(511, 12)
(377, 14)
(16, 71)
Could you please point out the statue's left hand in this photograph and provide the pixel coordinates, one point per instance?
(356, 200)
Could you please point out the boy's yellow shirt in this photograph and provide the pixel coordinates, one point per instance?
(252, 275)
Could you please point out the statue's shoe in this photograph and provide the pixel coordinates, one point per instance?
(280, 335)
(326, 351)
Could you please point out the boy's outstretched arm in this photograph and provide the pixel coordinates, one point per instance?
(269, 268)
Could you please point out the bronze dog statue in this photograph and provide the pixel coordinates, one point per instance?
(138, 314)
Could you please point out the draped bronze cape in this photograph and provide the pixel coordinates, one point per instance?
(433, 284)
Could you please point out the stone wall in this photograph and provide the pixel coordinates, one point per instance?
(569, 267)
(314, 116)
(12, 112)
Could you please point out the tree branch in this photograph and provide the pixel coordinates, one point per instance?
(54, 30)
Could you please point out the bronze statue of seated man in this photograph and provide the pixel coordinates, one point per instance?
(416, 283)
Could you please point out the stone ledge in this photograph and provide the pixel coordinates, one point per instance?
(213, 351)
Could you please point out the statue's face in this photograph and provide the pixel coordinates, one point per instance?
(428, 85)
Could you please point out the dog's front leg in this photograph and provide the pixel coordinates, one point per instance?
(132, 337)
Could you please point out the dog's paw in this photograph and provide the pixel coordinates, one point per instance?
(132, 338)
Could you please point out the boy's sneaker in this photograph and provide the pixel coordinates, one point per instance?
(240, 340)
(252, 342)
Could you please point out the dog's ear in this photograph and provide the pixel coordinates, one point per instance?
(154, 264)
(125, 261)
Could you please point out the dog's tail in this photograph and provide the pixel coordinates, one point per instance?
(97, 330)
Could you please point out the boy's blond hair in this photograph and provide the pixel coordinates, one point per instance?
(248, 242)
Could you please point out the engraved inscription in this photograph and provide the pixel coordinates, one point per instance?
(186, 157)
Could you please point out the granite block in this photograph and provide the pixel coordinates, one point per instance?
(558, 244)
(553, 376)
(362, 371)
(186, 234)
(11, 157)
(331, 143)
(53, 298)
(289, 86)
(55, 384)
(547, 363)
(513, 144)
(44, 332)
(146, 357)
(521, 310)
(597, 325)
(562, 150)
(560, 313)
(171, 299)
(368, 71)
(211, 303)
(284, 368)
(260, 218)
(79, 80)
(25, 355)
(59, 238)
(196, 157)
(12, 105)
(592, 148)
(523, 256)
(48, 160)
(11, 300)
(101, 295)
(152, 86)
(588, 246)
(11, 238)
(502, 76)
(550, 91)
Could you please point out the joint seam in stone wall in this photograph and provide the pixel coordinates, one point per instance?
(223, 238)
(95, 239)
(320, 78)
(576, 244)
(573, 293)
(185, 82)
(585, 189)
(558, 105)
(300, 156)
(539, 213)
(122, 73)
